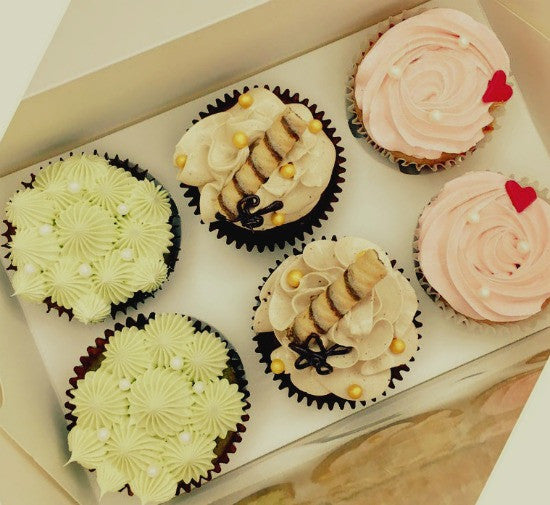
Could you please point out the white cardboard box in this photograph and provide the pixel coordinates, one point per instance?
(46, 348)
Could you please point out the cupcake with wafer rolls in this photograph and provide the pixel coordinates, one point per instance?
(261, 167)
(336, 323)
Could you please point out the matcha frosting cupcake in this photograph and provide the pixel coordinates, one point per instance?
(156, 406)
(90, 236)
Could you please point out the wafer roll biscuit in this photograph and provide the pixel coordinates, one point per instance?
(265, 156)
(326, 309)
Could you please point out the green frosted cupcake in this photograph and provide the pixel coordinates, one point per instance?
(90, 236)
(157, 406)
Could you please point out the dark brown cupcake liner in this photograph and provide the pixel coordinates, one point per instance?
(266, 343)
(170, 258)
(289, 232)
(234, 373)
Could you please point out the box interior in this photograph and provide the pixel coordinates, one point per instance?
(203, 287)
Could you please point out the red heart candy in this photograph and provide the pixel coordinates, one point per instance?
(521, 197)
(497, 89)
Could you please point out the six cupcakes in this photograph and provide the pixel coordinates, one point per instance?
(159, 403)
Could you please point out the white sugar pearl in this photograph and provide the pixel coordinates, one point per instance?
(152, 471)
(45, 229)
(103, 434)
(127, 254)
(85, 270)
(463, 42)
(176, 363)
(198, 387)
(484, 292)
(523, 246)
(74, 187)
(124, 384)
(473, 218)
(395, 72)
(184, 437)
(29, 268)
(122, 209)
(435, 116)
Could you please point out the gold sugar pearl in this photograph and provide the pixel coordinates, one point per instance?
(245, 100)
(277, 366)
(397, 346)
(355, 391)
(287, 171)
(315, 126)
(181, 160)
(278, 218)
(240, 140)
(293, 278)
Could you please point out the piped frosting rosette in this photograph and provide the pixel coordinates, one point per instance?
(262, 167)
(424, 93)
(482, 250)
(156, 406)
(336, 322)
(90, 236)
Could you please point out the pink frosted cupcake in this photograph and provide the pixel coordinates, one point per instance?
(424, 92)
(483, 249)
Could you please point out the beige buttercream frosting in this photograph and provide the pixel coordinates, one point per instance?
(212, 159)
(368, 328)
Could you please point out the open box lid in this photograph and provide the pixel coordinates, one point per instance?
(21, 146)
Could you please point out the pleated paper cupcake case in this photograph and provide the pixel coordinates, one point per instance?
(358, 130)
(487, 328)
(266, 343)
(234, 374)
(170, 258)
(291, 232)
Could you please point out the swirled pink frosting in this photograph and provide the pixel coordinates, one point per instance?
(486, 260)
(444, 60)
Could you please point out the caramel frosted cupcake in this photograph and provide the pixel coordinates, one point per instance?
(90, 236)
(337, 322)
(483, 249)
(424, 92)
(262, 168)
(156, 407)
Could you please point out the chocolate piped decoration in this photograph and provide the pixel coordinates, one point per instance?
(317, 359)
(245, 215)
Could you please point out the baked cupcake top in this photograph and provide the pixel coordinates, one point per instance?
(260, 157)
(343, 316)
(153, 412)
(88, 235)
(427, 86)
(484, 246)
